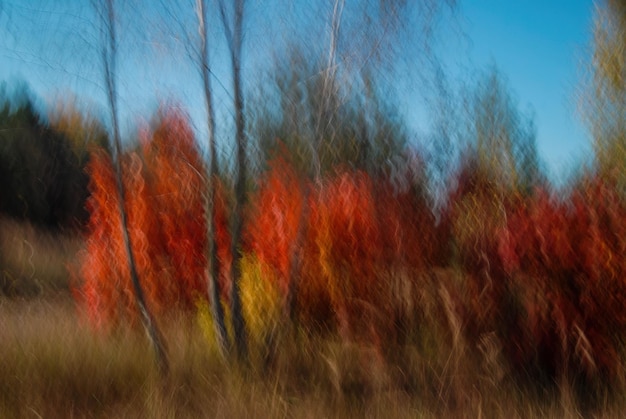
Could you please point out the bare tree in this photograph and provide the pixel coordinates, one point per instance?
(504, 137)
(106, 9)
(361, 41)
(329, 85)
(233, 23)
(212, 177)
(327, 107)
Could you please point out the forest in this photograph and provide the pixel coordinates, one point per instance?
(308, 257)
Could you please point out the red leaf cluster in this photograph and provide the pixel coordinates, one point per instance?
(568, 257)
(166, 224)
(546, 275)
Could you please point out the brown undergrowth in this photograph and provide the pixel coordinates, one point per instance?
(54, 365)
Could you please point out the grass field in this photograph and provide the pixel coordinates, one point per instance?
(52, 364)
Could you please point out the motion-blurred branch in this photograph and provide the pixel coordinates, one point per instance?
(233, 31)
(212, 175)
(106, 10)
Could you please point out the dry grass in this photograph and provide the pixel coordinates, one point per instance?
(53, 365)
(33, 261)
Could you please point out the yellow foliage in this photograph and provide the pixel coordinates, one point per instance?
(479, 217)
(260, 298)
(204, 317)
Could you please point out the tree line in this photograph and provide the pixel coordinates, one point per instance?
(326, 201)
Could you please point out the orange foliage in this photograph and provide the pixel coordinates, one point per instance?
(166, 224)
(105, 282)
(546, 275)
(177, 179)
(273, 228)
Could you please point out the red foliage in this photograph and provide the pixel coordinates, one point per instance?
(313, 297)
(177, 178)
(546, 275)
(573, 251)
(273, 227)
(105, 283)
(355, 233)
(166, 225)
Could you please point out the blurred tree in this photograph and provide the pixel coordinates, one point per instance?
(446, 139)
(331, 106)
(83, 132)
(327, 101)
(500, 168)
(232, 20)
(606, 102)
(106, 10)
(82, 129)
(366, 132)
(330, 101)
(211, 180)
(197, 42)
(503, 138)
(42, 179)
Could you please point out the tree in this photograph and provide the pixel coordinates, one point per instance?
(504, 139)
(81, 128)
(212, 178)
(327, 102)
(83, 133)
(109, 55)
(233, 22)
(499, 169)
(197, 42)
(606, 101)
(41, 172)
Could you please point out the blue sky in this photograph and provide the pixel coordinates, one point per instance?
(540, 47)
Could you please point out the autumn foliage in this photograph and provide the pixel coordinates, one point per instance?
(165, 205)
(542, 274)
(566, 258)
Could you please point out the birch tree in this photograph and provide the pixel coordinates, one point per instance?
(212, 177)
(364, 37)
(232, 21)
(106, 10)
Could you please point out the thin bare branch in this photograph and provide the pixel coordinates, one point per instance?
(109, 55)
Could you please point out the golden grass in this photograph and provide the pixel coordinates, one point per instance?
(33, 261)
(52, 364)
